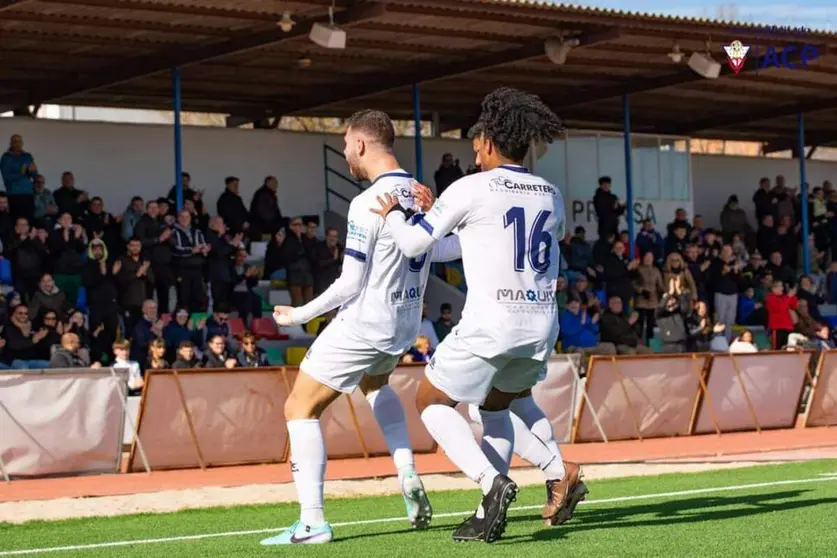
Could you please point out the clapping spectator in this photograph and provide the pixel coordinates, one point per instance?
(297, 260)
(676, 241)
(156, 240)
(133, 279)
(704, 334)
(725, 274)
(744, 343)
(619, 272)
(189, 253)
(779, 313)
(681, 220)
(55, 329)
(448, 172)
(620, 331)
(67, 245)
(186, 356)
(671, 317)
(75, 324)
(49, 297)
(45, 208)
(445, 323)
(648, 285)
(580, 330)
(99, 224)
(231, 207)
(608, 209)
(328, 261)
(216, 355)
(750, 311)
(148, 328)
(69, 199)
(179, 330)
(190, 194)
(27, 253)
(695, 270)
(19, 169)
(220, 261)
(100, 282)
(251, 355)
(245, 278)
(21, 339)
(265, 215)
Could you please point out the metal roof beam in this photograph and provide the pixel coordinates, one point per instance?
(734, 119)
(6, 4)
(184, 56)
(382, 82)
(791, 143)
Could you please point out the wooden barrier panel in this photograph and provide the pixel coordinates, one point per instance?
(640, 396)
(822, 403)
(753, 391)
(557, 395)
(202, 418)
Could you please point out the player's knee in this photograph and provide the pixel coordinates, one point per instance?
(298, 407)
(497, 400)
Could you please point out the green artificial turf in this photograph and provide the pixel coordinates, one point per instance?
(791, 519)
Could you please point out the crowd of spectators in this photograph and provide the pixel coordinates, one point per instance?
(693, 284)
(85, 281)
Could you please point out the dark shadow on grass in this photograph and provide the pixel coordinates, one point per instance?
(339, 538)
(671, 512)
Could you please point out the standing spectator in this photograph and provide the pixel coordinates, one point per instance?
(779, 313)
(245, 278)
(18, 169)
(674, 332)
(649, 286)
(779, 270)
(676, 241)
(231, 208)
(148, 328)
(27, 252)
(608, 208)
(199, 220)
(216, 355)
(45, 208)
(328, 261)
(21, 339)
(189, 253)
(725, 275)
(807, 291)
(447, 173)
(445, 323)
(100, 224)
(69, 354)
(649, 240)
(696, 267)
(49, 297)
(134, 279)
(297, 260)
(69, 199)
(189, 194)
(681, 220)
(156, 240)
(763, 200)
(220, 260)
(734, 220)
(133, 213)
(698, 229)
(251, 355)
(619, 273)
(766, 235)
(99, 279)
(620, 331)
(265, 215)
(67, 245)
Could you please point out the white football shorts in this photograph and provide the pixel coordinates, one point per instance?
(339, 362)
(468, 378)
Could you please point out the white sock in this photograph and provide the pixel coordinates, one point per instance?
(497, 438)
(539, 425)
(390, 416)
(452, 433)
(308, 465)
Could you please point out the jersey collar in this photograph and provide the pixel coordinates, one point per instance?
(400, 173)
(516, 168)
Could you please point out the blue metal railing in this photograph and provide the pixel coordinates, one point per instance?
(328, 171)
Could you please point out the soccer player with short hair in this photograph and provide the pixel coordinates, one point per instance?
(379, 293)
(509, 223)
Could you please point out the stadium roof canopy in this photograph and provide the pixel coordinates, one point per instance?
(236, 60)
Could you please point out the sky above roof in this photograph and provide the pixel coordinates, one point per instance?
(812, 14)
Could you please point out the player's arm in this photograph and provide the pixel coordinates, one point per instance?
(446, 214)
(447, 249)
(360, 238)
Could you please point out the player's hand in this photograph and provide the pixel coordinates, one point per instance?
(283, 315)
(387, 202)
(423, 197)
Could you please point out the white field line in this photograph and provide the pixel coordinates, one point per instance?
(183, 538)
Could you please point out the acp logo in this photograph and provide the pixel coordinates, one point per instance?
(737, 53)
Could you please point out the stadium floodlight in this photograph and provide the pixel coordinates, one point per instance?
(328, 36)
(286, 23)
(704, 66)
(676, 55)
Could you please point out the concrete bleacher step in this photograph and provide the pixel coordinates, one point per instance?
(279, 297)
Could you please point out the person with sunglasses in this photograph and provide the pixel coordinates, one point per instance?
(250, 354)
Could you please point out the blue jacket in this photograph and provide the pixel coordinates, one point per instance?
(174, 334)
(746, 306)
(576, 334)
(651, 241)
(16, 174)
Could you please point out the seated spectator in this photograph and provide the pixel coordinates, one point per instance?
(620, 331)
(671, 318)
(648, 285)
(7, 221)
(739, 249)
(75, 324)
(420, 352)
(68, 354)
(218, 324)
(562, 293)
(251, 355)
(45, 208)
(753, 271)
(750, 312)
(744, 343)
(649, 240)
(21, 339)
(704, 334)
(99, 280)
(582, 290)
(216, 355)
(148, 328)
(428, 328)
(580, 331)
(581, 255)
(779, 318)
(157, 356)
(445, 323)
(245, 278)
(66, 246)
(807, 291)
(69, 199)
(179, 330)
(27, 252)
(186, 356)
(805, 324)
(328, 258)
(49, 297)
(122, 350)
(274, 259)
(55, 329)
(698, 229)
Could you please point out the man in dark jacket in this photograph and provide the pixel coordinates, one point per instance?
(100, 224)
(763, 200)
(189, 251)
(69, 199)
(28, 254)
(328, 260)
(608, 208)
(68, 355)
(615, 328)
(671, 320)
(7, 221)
(156, 240)
(189, 193)
(231, 208)
(219, 260)
(265, 215)
(447, 173)
(102, 299)
(67, 247)
(147, 328)
(134, 279)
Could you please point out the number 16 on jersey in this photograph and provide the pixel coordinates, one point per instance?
(537, 242)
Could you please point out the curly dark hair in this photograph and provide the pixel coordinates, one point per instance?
(511, 119)
(375, 124)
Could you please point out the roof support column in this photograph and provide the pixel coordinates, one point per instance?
(178, 140)
(436, 126)
(417, 123)
(803, 196)
(629, 190)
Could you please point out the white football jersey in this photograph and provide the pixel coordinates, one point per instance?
(385, 311)
(509, 223)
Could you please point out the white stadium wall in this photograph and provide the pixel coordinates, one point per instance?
(717, 177)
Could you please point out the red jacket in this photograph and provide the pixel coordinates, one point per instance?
(778, 311)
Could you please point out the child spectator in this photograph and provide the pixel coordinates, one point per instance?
(779, 319)
(749, 310)
(122, 350)
(157, 356)
(743, 343)
(186, 356)
(216, 355)
(421, 351)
